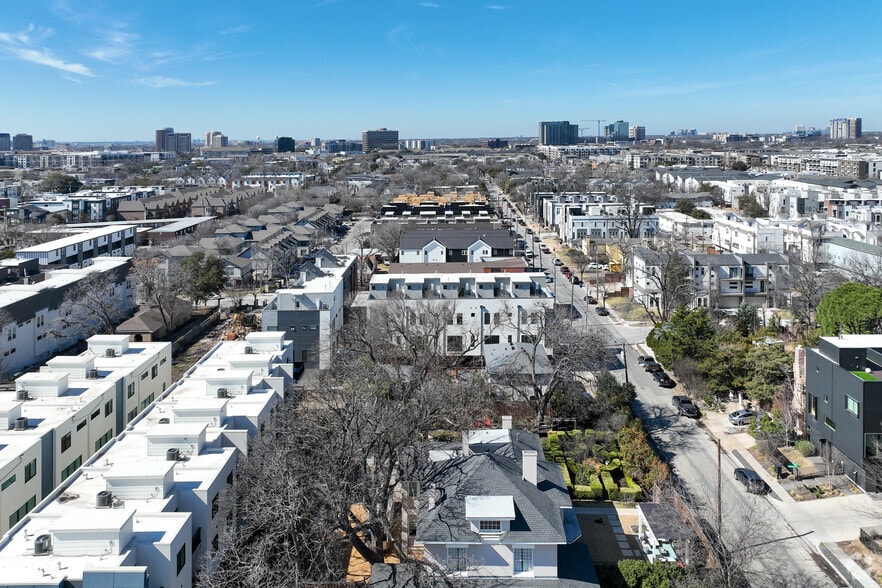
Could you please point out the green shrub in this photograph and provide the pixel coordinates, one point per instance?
(612, 489)
(637, 573)
(806, 448)
(566, 476)
(614, 467)
(630, 490)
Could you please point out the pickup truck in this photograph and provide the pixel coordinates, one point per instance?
(685, 407)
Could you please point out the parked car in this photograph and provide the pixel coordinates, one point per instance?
(684, 406)
(602, 311)
(590, 299)
(565, 269)
(663, 380)
(752, 481)
(641, 359)
(652, 366)
(575, 279)
(535, 238)
(557, 261)
(548, 279)
(529, 231)
(742, 417)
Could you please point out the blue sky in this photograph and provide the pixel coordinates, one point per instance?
(118, 70)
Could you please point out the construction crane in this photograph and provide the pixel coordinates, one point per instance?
(598, 121)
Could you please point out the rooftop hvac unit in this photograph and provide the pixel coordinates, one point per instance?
(221, 392)
(93, 374)
(43, 545)
(164, 421)
(110, 352)
(22, 394)
(172, 454)
(249, 350)
(104, 499)
(21, 424)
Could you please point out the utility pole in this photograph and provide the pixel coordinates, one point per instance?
(719, 493)
(625, 360)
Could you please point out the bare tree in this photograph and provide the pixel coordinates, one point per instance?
(93, 306)
(387, 238)
(327, 475)
(552, 352)
(161, 281)
(667, 280)
(807, 279)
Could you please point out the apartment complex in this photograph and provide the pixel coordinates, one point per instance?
(56, 419)
(216, 139)
(22, 142)
(143, 511)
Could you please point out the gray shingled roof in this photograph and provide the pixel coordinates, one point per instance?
(456, 238)
(538, 517)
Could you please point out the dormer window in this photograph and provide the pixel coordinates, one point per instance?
(490, 526)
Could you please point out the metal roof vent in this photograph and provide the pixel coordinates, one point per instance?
(21, 424)
(93, 374)
(249, 350)
(110, 352)
(22, 394)
(172, 454)
(221, 392)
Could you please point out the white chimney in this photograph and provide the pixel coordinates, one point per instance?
(530, 463)
(466, 450)
(506, 422)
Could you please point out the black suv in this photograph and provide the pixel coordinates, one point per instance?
(685, 407)
(752, 481)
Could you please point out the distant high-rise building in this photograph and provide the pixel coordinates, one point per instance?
(5, 142)
(559, 132)
(168, 140)
(617, 131)
(637, 133)
(23, 142)
(497, 144)
(845, 128)
(285, 145)
(216, 139)
(379, 139)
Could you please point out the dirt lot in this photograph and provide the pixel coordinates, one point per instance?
(869, 561)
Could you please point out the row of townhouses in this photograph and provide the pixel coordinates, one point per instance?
(97, 494)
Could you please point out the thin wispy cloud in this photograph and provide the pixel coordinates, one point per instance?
(238, 30)
(19, 46)
(495, 7)
(159, 82)
(116, 46)
(429, 5)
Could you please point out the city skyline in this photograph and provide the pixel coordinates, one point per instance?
(334, 68)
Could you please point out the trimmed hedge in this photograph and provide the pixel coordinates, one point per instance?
(806, 448)
(612, 489)
(564, 467)
(630, 490)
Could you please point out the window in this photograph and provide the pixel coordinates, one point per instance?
(852, 406)
(108, 407)
(490, 526)
(182, 558)
(215, 505)
(72, 467)
(7, 482)
(103, 439)
(830, 423)
(82, 425)
(96, 414)
(30, 470)
(491, 340)
(454, 343)
(523, 560)
(197, 540)
(813, 406)
(65, 442)
(457, 559)
(22, 510)
(130, 390)
(130, 416)
(154, 371)
(144, 376)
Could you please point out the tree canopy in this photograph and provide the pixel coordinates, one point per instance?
(59, 183)
(851, 308)
(205, 276)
